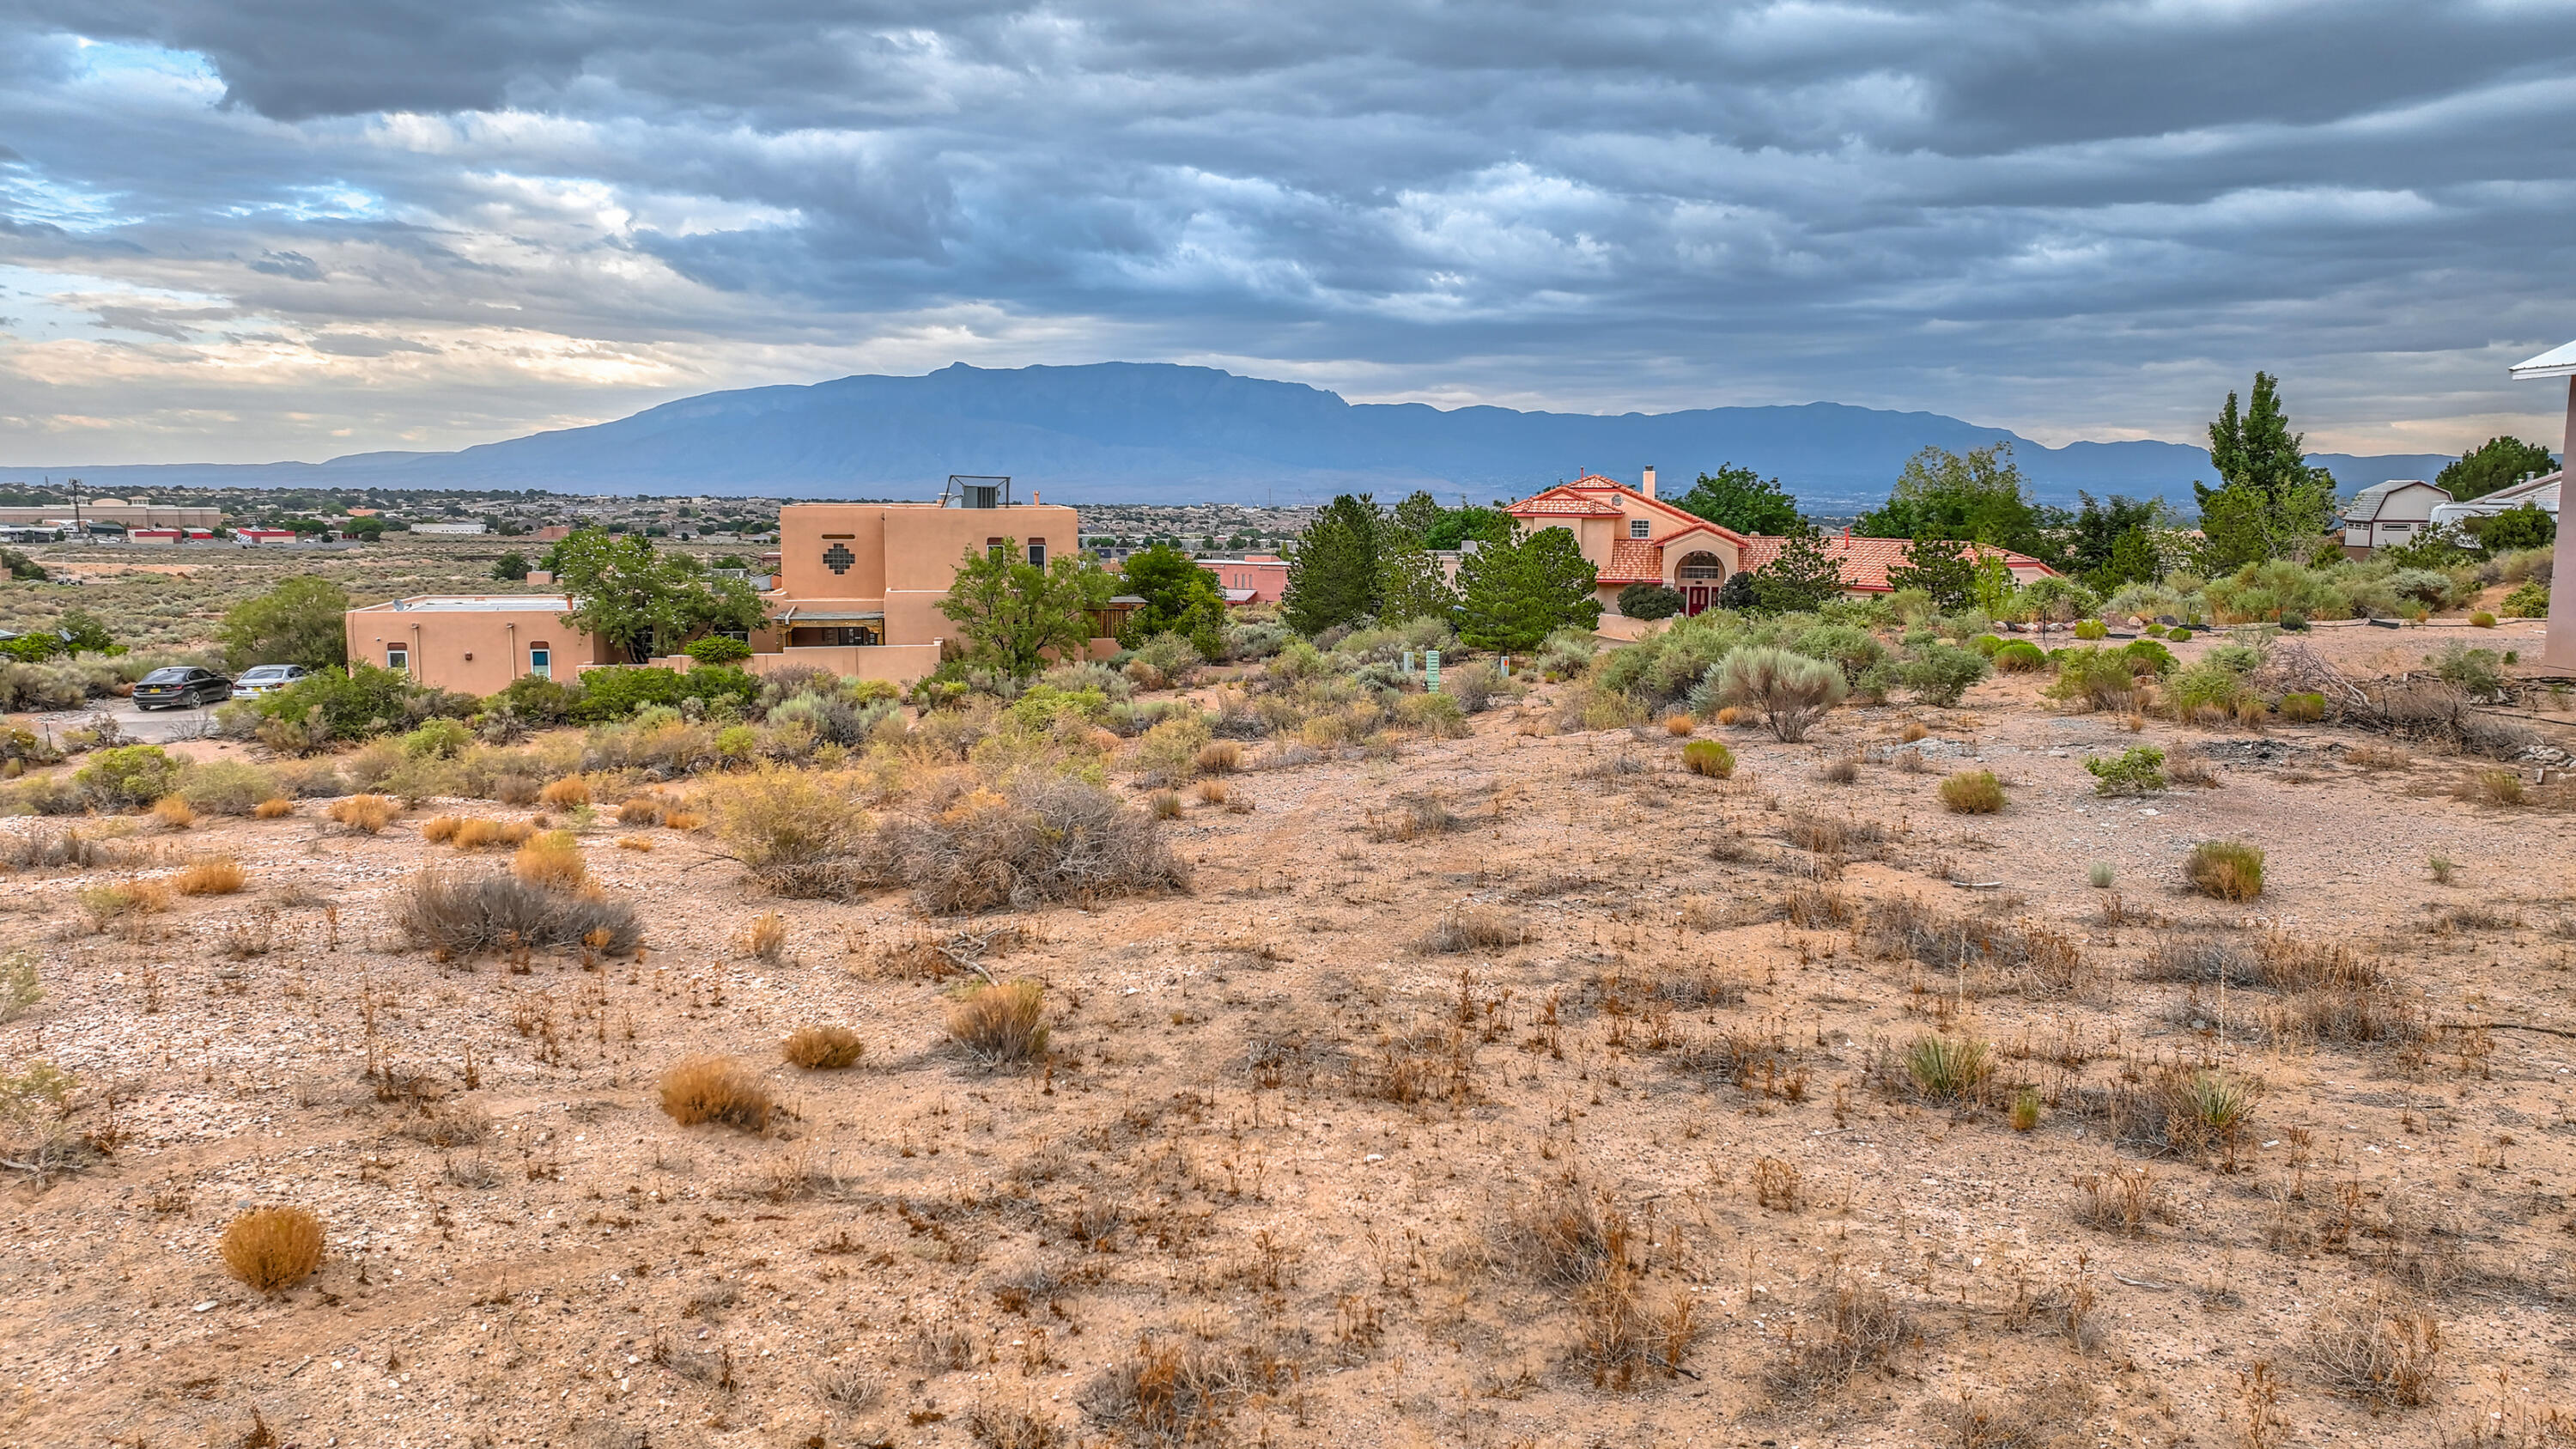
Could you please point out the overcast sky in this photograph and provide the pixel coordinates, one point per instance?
(298, 228)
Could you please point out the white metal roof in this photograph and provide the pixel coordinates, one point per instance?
(2367, 502)
(2540, 493)
(2556, 362)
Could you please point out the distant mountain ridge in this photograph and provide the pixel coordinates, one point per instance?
(1126, 432)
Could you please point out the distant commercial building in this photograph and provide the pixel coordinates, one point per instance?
(117, 510)
(449, 529)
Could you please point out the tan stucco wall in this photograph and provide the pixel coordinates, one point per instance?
(907, 554)
(472, 651)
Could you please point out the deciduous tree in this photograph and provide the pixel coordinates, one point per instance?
(1740, 499)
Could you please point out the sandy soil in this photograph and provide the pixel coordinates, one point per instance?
(1210, 1175)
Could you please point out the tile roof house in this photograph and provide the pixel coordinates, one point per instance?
(1631, 536)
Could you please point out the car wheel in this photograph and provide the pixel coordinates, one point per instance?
(190, 700)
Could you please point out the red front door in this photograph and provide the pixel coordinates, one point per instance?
(1696, 597)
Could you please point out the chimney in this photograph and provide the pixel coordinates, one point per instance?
(1649, 489)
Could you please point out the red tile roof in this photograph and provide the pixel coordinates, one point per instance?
(1593, 496)
(1632, 560)
(1865, 561)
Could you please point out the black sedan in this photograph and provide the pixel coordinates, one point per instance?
(181, 687)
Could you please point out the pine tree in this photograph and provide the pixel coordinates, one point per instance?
(1410, 584)
(2493, 464)
(1801, 577)
(2270, 503)
(1520, 592)
(1939, 567)
(1334, 577)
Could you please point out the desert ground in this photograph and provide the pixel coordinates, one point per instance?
(1514, 1089)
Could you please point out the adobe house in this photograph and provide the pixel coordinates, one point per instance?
(473, 643)
(1631, 537)
(1255, 578)
(858, 593)
(2397, 511)
(2560, 650)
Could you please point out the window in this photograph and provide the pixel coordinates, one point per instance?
(541, 660)
(1637, 528)
(1037, 552)
(993, 548)
(398, 657)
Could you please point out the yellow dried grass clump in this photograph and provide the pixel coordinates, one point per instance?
(481, 834)
(824, 1048)
(1678, 725)
(716, 1089)
(1973, 792)
(640, 810)
(552, 860)
(683, 820)
(566, 793)
(274, 1248)
(440, 829)
(173, 812)
(274, 808)
(210, 875)
(1001, 1025)
(1219, 757)
(764, 936)
(366, 814)
(634, 842)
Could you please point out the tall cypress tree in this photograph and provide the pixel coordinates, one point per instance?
(2270, 503)
(1334, 577)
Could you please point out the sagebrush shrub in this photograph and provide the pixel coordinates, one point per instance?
(465, 913)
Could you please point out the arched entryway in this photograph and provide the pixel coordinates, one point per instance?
(1698, 577)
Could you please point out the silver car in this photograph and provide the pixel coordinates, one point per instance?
(262, 679)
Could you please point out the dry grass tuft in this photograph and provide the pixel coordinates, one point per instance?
(1708, 757)
(1913, 731)
(824, 1048)
(1845, 771)
(274, 808)
(173, 812)
(552, 860)
(2384, 1354)
(1473, 928)
(270, 1249)
(1219, 757)
(565, 793)
(1847, 1330)
(440, 829)
(640, 810)
(1163, 805)
(1001, 1024)
(716, 1089)
(1972, 792)
(2493, 786)
(763, 937)
(210, 875)
(479, 834)
(1678, 725)
(365, 814)
(1213, 792)
(1945, 1070)
(2229, 870)
(637, 843)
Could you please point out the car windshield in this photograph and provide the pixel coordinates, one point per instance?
(165, 676)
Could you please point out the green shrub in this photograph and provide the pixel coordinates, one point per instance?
(2146, 656)
(2482, 620)
(2293, 621)
(227, 787)
(2133, 772)
(1791, 691)
(2478, 673)
(1647, 599)
(1854, 649)
(2020, 657)
(1708, 757)
(537, 700)
(613, 694)
(2204, 684)
(2229, 870)
(1433, 714)
(2094, 678)
(437, 739)
(1986, 644)
(1043, 704)
(357, 703)
(1973, 792)
(129, 775)
(2179, 635)
(2092, 629)
(2303, 708)
(2054, 599)
(2530, 601)
(718, 649)
(1939, 674)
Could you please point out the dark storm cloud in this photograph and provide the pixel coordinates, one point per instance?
(2079, 216)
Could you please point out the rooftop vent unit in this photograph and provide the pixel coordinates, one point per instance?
(971, 490)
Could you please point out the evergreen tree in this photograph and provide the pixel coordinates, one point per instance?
(2270, 504)
(1334, 577)
(1470, 521)
(2493, 464)
(298, 622)
(1419, 514)
(1518, 593)
(1801, 577)
(1939, 567)
(1740, 499)
(1410, 584)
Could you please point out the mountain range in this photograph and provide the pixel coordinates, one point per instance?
(1124, 432)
